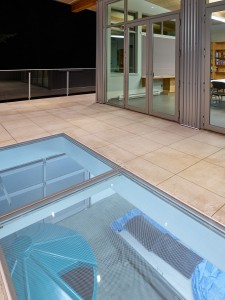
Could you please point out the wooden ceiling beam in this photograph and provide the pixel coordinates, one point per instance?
(80, 5)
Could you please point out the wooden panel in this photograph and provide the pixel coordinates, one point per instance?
(82, 4)
(168, 83)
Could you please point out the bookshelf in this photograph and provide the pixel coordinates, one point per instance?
(218, 60)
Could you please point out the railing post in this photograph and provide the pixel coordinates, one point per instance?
(67, 82)
(29, 80)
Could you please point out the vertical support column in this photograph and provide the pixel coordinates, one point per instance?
(29, 86)
(100, 58)
(67, 82)
(191, 60)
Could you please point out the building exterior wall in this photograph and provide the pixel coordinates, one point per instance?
(192, 86)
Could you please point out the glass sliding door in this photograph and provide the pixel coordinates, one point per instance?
(115, 66)
(115, 54)
(215, 72)
(164, 68)
(137, 68)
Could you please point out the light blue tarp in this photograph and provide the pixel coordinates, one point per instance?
(208, 282)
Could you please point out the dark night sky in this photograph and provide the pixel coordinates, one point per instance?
(46, 34)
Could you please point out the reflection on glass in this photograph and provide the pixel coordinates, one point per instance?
(211, 1)
(143, 8)
(115, 12)
(217, 65)
(169, 27)
(117, 49)
(115, 65)
(157, 28)
(137, 67)
(164, 53)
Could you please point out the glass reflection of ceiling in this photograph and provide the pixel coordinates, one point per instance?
(169, 5)
(218, 18)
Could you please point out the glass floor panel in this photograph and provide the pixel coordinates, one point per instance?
(33, 170)
(106, 234)
(117, 238)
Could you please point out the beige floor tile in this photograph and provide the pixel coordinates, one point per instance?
(5, 136)
(112, 134)
(214, 139)
(17, 123)
(4, 117)
(32, 137)
(147, 171)
(129, 115)
(101, 116)
(92, 141)
(156, 122)
(219, 216)
(182, 130)
(163, 137)
(46, 119)
(139, 129)
(50, 126)
(7, 143)
(206, 175)
(74, 131)
(116, 154)
(193, 195)
(89, 111)
(37, 114)
(217, 158)
(171, 160)
(82, 120)
(96, 126)
(195, 148)
(33, 130)
(138, 145)
(118, 122)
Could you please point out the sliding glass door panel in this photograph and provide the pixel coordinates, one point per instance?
(115, 66)
(164, 68)
(137, 68)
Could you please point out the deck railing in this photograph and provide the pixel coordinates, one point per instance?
(27, 84)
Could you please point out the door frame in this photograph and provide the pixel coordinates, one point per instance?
(149, 61)
(214, 7)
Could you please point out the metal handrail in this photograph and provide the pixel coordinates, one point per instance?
(50, 81)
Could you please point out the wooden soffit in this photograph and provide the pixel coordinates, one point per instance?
(80, 5)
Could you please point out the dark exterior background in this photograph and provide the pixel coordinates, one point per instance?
(45, 34)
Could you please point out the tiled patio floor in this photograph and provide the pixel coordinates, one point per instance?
(186, 163)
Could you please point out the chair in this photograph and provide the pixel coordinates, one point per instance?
(217, 90)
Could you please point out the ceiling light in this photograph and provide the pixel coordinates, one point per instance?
(118, 36)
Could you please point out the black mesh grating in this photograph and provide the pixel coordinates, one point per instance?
(143, 231)
(165, 246)
(177, 255)
(81, 280)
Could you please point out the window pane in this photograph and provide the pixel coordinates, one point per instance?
(115, 65)
(117, 49)
(115, 12)
(164, 66)
(137, 68)
(169, 28)
(144, 8)
(217, 76)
